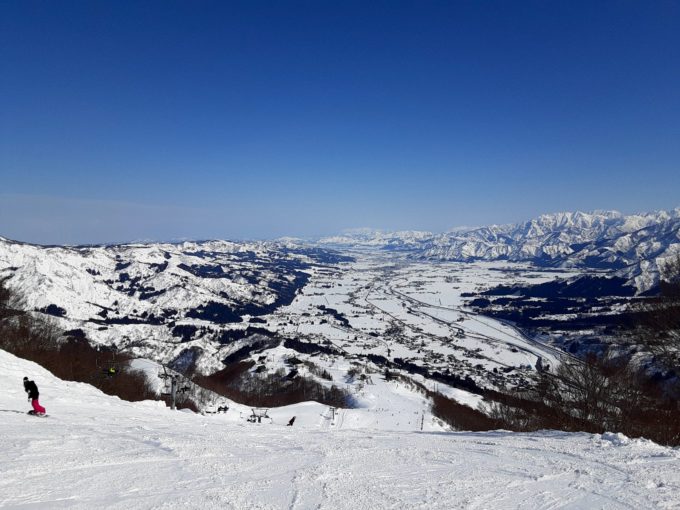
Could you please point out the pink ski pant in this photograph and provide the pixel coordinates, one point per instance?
(36, 406)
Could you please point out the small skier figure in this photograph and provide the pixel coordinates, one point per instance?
(33, 396)
(290, 423)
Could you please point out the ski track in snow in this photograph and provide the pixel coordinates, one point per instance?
(97, 451)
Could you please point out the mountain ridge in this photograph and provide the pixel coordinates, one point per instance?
(634, 245)
(135, 294)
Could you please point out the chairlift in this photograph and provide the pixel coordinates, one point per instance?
(164, 375)
(109, 367)
(213, 408)
(257, 414)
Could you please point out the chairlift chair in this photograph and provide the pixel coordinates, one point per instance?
(163, 375)
(108, 367)
(257, 414)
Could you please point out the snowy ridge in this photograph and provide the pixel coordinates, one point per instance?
(633, 244)
(370, 238)
(550, 237)
(97, 451)
(156, 297)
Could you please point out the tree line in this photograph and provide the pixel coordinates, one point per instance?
(635, 393)
(38, 338)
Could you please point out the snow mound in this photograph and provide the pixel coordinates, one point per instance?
(615, 439)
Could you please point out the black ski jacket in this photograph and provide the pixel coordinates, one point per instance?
(31, 389)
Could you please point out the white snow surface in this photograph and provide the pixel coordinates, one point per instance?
(96, 451)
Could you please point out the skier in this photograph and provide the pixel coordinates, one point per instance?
(33, 395)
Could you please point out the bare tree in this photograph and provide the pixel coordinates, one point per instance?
(585, 388)
(659, 329)
(5, 294)
(9, 302)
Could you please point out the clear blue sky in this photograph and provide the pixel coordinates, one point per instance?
(128, 120)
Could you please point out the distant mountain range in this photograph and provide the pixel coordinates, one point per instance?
(632, 245)
(370, 238)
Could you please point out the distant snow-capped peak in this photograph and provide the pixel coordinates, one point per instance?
(599, 239)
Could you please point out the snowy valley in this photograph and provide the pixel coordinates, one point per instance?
(392, 326)
(396, 300)
(198, 306)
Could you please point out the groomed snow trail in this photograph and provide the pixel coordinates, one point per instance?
(96, 451)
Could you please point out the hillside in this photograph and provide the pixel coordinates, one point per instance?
(97, 451)
(157, 297)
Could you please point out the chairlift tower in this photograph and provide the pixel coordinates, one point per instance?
(173, 387)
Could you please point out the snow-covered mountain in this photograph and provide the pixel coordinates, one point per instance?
(156, 297)
(371, 238)
(635, 245)
(556, 238)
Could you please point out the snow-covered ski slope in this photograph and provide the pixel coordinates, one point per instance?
(96, 451)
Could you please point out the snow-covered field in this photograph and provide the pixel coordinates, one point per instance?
(96, 451)
(415, 312)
